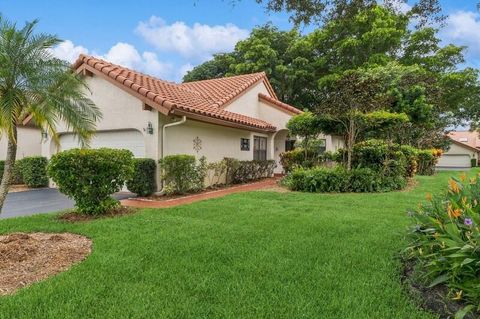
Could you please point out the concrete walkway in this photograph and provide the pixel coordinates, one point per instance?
(149, 203)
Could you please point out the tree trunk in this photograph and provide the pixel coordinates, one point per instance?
(351, 137)
(8, 169)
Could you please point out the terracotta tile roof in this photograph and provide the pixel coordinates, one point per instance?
(204, 98)
(469, 138)
(277, 103)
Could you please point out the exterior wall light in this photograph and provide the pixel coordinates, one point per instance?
(149, 128)
(44, 135)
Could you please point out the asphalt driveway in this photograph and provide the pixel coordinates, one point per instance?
(39, 201)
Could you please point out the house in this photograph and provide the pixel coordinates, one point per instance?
(464, 149)
(238, 116)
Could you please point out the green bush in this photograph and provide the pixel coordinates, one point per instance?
(215, 172)
(143, 181)
(34, 171)
(90, 176)
(473, 162)
(334, 180)
(427, 159)
(296, 158)
(181, 173)
(16, 174)
(245, 171)
(445, 239)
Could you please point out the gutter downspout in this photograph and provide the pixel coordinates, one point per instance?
(164, 130)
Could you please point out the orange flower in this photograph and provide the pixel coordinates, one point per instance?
(463, 177)
(428, 197)
(454, 186)
(454, 213)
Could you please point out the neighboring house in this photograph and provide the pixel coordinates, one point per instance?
(29, 140)
(238, 116)
(461, 152)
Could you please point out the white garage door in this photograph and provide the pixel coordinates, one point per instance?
(454, 161)
(131, 140)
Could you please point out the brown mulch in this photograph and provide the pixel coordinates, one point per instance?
(73, 216)
(432, 299)
(29, 258)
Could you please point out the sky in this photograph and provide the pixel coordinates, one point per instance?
(166, 38)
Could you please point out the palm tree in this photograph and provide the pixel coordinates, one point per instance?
(37, 87)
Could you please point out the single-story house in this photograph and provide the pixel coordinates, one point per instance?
(238, 116)
(461, 152)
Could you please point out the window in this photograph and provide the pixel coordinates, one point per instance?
(259, 148)
(289, 145)
(322, 145)
(245, 144)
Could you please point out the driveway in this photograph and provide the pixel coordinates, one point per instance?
(39, 201)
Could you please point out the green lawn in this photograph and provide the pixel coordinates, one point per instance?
(250, 255)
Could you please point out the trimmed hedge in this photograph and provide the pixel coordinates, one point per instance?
(33, 171)
(296, 158)
(335, 180)
(427, 159)
(245, 171)
(143, 182)
(90, 176)
(181, 174)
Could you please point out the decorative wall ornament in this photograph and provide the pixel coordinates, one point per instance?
(197, 144)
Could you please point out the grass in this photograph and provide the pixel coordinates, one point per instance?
(250, 255)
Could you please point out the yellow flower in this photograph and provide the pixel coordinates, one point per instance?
(458, 295)
(473, 180)
(454, 186)
(454, 213)
(436, 235)
(428, 197)
(463, 177)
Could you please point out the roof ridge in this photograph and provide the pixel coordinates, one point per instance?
(261, 73)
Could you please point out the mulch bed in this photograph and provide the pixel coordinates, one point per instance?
(433, 299)
(29, 258)
(73, 216)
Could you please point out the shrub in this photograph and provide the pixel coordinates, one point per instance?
(34, 171)
(444, 239)
(17, 177)
(181, 174)
(427, 159)
(143, 181)
(215, 172)
(90, 176)
(253, 170)
(338, 179)
(296, 158)
(473, 162)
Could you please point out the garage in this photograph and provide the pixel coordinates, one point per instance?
(131, 140)
(458, 156)
(454, 161)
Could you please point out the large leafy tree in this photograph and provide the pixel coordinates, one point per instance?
(322, 11)
(36, 87)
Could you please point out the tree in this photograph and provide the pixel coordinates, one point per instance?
(305, 126)
(217, 67)
(348, 101)
(37, 86)
(323, 11)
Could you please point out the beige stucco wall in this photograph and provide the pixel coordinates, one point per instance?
(28, 143)
(457, 157)
(217, 141)
(121, 111)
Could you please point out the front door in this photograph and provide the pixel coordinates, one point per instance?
(259, 148)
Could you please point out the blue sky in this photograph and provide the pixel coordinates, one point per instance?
(166, 38)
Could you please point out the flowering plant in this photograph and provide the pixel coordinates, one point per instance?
(445, 239)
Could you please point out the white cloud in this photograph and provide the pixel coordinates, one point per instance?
(184, 69)
(68, 51)
(123, 54)
(199, 41)
(463, 28)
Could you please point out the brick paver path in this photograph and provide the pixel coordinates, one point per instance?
(148, 203)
